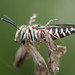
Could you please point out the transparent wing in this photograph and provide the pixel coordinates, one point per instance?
(55, 26)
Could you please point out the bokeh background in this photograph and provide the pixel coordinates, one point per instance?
(20, 11)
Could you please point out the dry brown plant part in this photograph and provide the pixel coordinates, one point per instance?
(21, 56)
(54, 53)
(39, 63)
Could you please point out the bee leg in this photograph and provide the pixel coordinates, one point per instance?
(42, 40)
(52, 20)
(28, 46)
(32, 18)
(22, 45)
(38, 46)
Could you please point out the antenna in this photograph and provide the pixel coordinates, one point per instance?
(10, 21)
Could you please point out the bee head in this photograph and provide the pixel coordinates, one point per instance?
(20, 30)
(20, 33)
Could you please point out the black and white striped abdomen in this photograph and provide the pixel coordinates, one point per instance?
(60, 32)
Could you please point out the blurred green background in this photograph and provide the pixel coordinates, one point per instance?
(20, 11)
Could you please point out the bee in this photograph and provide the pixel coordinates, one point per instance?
(37, 32)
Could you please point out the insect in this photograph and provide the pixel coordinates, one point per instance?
(37, 32)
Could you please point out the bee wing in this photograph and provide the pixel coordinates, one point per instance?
(55, 26)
